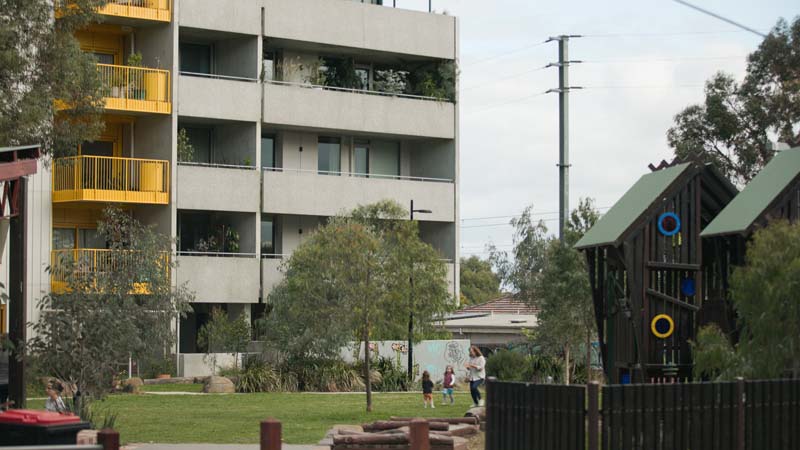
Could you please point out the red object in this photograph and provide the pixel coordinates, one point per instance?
(36, 417)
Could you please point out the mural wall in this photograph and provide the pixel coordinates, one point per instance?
(432, 356)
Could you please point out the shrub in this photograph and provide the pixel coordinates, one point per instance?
(324, 375)
(508, 366)
(258, 376)
(541, 366)
(394, 376)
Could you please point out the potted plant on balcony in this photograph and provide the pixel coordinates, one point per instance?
(316, 75)
(135, 84)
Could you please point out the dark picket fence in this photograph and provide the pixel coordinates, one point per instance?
(740, 415)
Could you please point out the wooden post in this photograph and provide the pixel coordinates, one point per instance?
(109, 439)
(593, 415)
(741, 401)
(270, 434)
(419, 435)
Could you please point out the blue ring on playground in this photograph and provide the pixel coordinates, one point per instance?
(688, 287)
(672, 216)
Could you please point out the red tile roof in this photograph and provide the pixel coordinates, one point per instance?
(503, 305)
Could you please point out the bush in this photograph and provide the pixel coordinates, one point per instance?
(324, 375)
(258, 376)
(394, 377)
(508, 366)
(542, 366)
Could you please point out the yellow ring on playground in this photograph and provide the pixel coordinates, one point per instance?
(655, 331)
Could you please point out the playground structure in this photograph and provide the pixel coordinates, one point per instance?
(659, 261)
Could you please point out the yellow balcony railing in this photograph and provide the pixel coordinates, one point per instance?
(110, 179)
(160, 10)
(83, 266)
(138, 89)
(139, 9)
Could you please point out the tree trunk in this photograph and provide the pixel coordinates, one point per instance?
(367, 380)
(566, 364)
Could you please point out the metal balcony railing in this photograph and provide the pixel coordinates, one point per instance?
(72, 264)
(160, 10)
(139, 89)
(110, 179)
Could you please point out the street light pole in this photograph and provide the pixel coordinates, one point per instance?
(411, 305)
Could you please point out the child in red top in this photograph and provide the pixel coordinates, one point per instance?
(448, 383)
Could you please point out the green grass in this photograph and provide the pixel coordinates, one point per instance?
(172, 388)
(234, 418)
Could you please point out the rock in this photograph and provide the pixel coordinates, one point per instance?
(86, 437)
(132, 385)
(219, 385)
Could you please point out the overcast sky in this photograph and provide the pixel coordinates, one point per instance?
(646, 61)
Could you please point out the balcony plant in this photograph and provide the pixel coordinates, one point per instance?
(341, 72)
(391, 81)
(222, 239)
(136, 81)
(317, 73)
(185, 149)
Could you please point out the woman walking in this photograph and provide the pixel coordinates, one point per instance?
(477, 372)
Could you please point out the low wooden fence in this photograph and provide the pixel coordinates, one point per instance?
(740, 415)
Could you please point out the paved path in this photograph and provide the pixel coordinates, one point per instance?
(209, 447)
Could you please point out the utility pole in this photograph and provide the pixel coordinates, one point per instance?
(563, 127)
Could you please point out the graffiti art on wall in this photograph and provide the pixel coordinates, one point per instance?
(400, 347)
(454, 354)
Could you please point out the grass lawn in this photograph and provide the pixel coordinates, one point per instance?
(172, 388)
(234, 418)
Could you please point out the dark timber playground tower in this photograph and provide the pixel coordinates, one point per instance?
(646, 269)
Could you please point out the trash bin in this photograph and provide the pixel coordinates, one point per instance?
(30, 427)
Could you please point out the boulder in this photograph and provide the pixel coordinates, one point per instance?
(132, 385)
(219, 385)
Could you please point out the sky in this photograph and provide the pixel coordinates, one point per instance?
(644, 62)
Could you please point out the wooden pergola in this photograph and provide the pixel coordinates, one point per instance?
(16, 163)
(646, 270)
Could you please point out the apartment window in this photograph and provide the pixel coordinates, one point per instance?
(98, 148)
(362, 75)
(385, 158)
(192, 226)
(90, 238)
(195, 58)
(202, 140)
(268, 152)
(329, 155)
(361, 158)
(268, 235)
(63, 238)
(104, 58)
(268, 67)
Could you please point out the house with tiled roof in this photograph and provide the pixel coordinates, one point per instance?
(498, 323)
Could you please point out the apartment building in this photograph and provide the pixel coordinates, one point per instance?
(239, 126)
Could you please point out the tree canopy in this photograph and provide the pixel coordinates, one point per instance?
(764, 294)
(102, 317)
(552, 276)
(40, 63)
(733, 127)
(479, 283)
(352, 280)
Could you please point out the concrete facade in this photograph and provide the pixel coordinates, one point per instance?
(226, 90)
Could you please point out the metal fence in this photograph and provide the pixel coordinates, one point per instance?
(740, 415)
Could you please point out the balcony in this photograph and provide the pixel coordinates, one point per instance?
(221, 277)
(307, 192)
(136, 89)
(151, 10)
(325, 107)
(270, 272)
(219, 97)
(158, 10)
(368, 27)
(218, 188)
(110, 179)
(87, 264)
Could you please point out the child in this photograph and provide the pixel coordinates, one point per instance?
(427, 389)
(447, 384)
(54, 402)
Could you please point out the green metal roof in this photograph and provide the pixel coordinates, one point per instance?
(746, 207)
(633, 204)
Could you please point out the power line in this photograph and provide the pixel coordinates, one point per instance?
(519, 100)
(500, 55)
(643, 86)
(536, 214)
(717, 16)
(497, 80)
(648, 60)
(658, 34)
